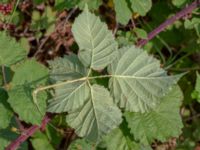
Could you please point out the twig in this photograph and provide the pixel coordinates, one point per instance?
(179, 15)
(26, 134)
(29, 132)
(4, 75)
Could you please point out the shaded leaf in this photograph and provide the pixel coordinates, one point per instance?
(27, 77)
(40, 142)
(5, 110)
(162, 123)
(123, 12)
(11, 52)
(141, 6)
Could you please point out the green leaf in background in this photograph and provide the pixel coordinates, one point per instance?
(117, 140)
(7, 135)
(138, 82)
(196, 93)
(96, 43)
(123, 12)
(81, 144)
(141, 6)
(5, 110)
(92, 4)
(142, 34)
(65, 4)
(67, 68)
(179, 3)
(28, 76)
(11, 52)
(41, 142)
(162, 123)
(98, 116)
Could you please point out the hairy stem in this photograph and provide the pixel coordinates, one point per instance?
(170, 21)
(29, 132)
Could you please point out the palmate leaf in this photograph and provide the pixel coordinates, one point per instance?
(27, 77)
(138, 82)
(96, 43)
(98, 116)
(10, 51)
(162, 123)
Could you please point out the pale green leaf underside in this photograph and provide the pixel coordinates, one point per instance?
(10, 51)
(69, 97)
(162, 123)
(98, 116)
(66, 68)
(138, 82)
(96, 43)
(141, 6)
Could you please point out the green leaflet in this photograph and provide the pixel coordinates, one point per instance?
(67, 68)
(5, 110)
(69, 96)
(123, 12)
(162, 123)
(11, 52)
(27, 77)
(138, 82)
(98, 116)
(141, 6)
(117, 140)
(196, 92)
(41, 142)
(96, 43)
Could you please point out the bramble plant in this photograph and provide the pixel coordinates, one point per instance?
(111, 95)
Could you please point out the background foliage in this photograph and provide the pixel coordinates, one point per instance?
(42, 37)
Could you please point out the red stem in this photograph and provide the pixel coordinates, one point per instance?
(30, 131)
(27, 133)
(170, 21)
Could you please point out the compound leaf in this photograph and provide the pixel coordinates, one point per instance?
(96, 43)
(162, 123)
(11, 52)
(138, 82)
(27, 77)
(98, 116)
(141, 6)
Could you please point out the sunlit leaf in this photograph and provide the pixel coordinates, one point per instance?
(138, 82)
(96, 43)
